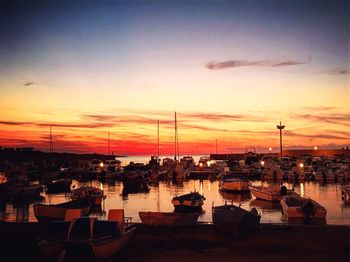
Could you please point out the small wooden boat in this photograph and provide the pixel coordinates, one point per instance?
(103, 238)
(234, 183)
(59, 186)
(189, 202)
(298, 207)
(345, 191)
(236, 197)
(202, 173)
(94, 194)
(20, 191)
(274, 173)
(168, 219)
(270, 193)
(234, 219)
(46, 213)
(135, 181)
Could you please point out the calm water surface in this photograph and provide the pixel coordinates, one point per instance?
(159, 199)
(160, 195)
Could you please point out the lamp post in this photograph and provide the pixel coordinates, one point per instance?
(280, 127)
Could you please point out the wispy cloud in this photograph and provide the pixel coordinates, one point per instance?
(14, 123)
(291, 133)
(63, 125)
(222, 117)
(336, 71)
(337, 118)
(28, 83)
(263, 63)
(320, 108)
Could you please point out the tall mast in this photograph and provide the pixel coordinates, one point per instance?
(109, 145)
(157, 140)
(177, 154)
(216, 146)
(51, 142)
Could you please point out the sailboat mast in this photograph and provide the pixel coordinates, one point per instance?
(175, 153)
(109, 145)
(157, 140)
(51, 143)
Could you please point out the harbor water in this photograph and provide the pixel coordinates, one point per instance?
(159, 199)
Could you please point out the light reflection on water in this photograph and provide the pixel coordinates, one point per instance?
(160, 195)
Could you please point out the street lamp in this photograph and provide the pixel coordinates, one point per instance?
(280, 127)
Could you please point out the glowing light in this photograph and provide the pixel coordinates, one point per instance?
(208, 163)
(201, 164)
(262, 163)
(315, 148)
(270, 149)
(301, 165)
(302, 189)
(101, 164)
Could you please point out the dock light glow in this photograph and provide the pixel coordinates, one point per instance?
(315, 148)
(301, 165)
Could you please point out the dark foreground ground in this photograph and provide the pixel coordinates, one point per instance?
(202, 243)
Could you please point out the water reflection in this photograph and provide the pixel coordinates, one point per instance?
(264, 205)
(159, 196)
(237, 198)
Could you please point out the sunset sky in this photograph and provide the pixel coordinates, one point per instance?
(230, 69)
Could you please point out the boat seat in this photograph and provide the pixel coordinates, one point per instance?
(58, 230)
(105, 228)
(118, 216)
(80, 228)
(72, 214)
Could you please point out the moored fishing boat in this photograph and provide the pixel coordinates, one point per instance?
(46, 213)
(234, 183)
(94, 194)
(102, 237)
(59, 185)
(274, 173)
(135, 181)
(189, 202)
(169, 219)
(298, 207)
(270, 193)
(234, 219)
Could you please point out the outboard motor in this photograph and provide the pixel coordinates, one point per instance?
(283, 190)
(308, 209)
